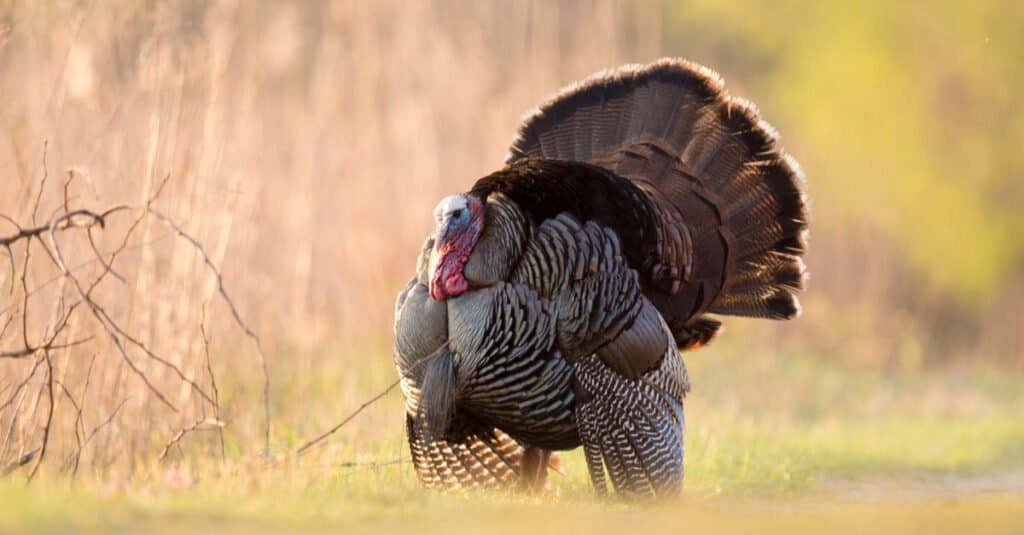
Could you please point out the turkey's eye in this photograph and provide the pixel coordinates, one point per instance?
(456, 213)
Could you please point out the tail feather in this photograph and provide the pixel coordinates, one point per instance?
(472, 456)
(770, 303)
(737, 197)
(739, 137)
(592, 451)
(770, 270)
(614, 463)
(631, 429)
(618, 106)
(696, 333)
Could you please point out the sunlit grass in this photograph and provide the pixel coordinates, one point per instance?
(788, 439)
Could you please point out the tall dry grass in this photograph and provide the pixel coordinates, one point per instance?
(306, 145)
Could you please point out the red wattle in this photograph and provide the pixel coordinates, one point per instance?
(448, 280)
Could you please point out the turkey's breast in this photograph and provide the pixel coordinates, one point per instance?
(508, 371)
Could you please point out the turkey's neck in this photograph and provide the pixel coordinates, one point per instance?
(449, 280)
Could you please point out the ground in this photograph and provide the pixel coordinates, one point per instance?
(787, 439)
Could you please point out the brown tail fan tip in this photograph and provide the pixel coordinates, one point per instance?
(612, 81)
(703, 147)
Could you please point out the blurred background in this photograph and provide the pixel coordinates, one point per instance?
(308, 142)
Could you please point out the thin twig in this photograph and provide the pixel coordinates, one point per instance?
(99, 257)
(87, 263)
(101, 315)
(29, 351)
(21, 385)
(66, 217)
(74, 219)
(78, 411)
(18, 463)
(79, 423)
(347, 419)
(312, 442)
(14, 270)
(238, 320)
(106, 422)
(3, 330)
(184, 431)
(21, 399)
(76, 455)
(49, 416)
(213, 380)
(24, 289)
(373, 464)
(42, 183)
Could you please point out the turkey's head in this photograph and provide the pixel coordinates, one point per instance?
(460, 220)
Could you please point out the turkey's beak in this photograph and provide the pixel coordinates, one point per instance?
(437, 395)
(440, 237)
(436, 255)
(442, 231)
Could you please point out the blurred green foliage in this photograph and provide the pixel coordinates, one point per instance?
(905, 116)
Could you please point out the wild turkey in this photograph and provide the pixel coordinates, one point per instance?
(549, 303)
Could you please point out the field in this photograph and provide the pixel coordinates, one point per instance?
(206, 211)
(858, 450)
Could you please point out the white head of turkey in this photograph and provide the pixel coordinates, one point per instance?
(552, 299)
(460, 219)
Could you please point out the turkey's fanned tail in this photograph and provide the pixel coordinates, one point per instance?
(731, 210)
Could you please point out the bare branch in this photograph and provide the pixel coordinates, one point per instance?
(213, 380)
(67, 220)
(86, 263)
(10, 259)
(312, 442)
(39, 347)
(11, 221)
(101, 315)
(80, 438)
(29, 351)
(18, 463)
(373, 464)
(106, 422)
(49, 416)
(3, 330)
(75, 456)
(42, 183)
(206, 423)
(21, 385)
(99, 257)
(159, 189)
(238, 320)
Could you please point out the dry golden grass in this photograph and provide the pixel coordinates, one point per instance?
(305, 147)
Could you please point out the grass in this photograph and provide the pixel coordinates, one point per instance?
(500, 515)
(786, 439)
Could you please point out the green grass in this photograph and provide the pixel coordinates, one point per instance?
(329, 508)
(789, 439)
